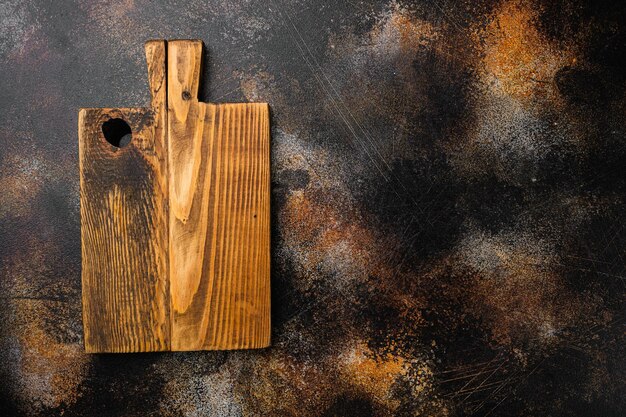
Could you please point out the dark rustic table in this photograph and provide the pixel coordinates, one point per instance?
(448, 187)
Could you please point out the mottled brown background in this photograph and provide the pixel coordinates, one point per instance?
(448, 191)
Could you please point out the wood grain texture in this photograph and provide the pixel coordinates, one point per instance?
(176, 225)
(124, 224)
(219, 214)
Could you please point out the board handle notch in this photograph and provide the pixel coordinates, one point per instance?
(184, 69)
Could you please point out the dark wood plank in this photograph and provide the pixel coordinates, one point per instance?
(124, 224)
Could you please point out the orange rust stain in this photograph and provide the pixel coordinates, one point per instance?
(49, 371)
(62, 367)
(517, 293)
(326, 238)
(306, 218)
(321, 228)
(411, 32)
(517, 59)
(374, 374)
(283, 386)
(523, 298)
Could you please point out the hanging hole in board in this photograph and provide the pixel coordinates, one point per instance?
(117, 132)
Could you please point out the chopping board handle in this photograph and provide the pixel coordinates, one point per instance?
(157, 76)
(184, 69)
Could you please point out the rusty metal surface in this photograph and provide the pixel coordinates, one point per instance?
(448, 206)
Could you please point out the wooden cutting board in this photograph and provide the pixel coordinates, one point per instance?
(176, 223)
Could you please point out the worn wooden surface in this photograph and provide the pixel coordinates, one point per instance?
(219, 214)
(448, 206)
(124, 224)
(191, 189)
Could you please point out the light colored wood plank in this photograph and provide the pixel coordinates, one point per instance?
(123, 200)
(219, 245)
